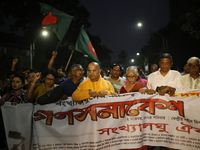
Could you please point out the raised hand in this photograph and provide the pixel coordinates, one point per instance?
(14, 62)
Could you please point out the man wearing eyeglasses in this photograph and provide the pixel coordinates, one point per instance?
(192, 80)
(70, 85)
(94, 85)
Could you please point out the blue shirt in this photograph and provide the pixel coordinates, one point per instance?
(69, 87)
(61, 81)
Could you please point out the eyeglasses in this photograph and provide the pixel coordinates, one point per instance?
(81, 70)
(131, 76)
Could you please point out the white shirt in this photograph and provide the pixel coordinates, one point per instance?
(190, 83)
(172, 79)
(117, 84)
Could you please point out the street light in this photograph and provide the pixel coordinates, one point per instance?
(139, 24)
(132, 60)
(164, 40)
(32, 47)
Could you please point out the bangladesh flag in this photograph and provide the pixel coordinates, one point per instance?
(55, 20)
(84, 45)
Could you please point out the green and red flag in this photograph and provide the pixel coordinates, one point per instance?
(84, 45)
(55, 20)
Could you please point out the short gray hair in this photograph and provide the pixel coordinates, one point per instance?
(193, 59)
(132, 68)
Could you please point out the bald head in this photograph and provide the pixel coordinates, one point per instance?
(93, 71)
(94, 64)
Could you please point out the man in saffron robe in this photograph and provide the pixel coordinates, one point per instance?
(94, 85)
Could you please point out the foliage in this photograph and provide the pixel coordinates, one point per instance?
(123, 59)
(28, 18)
(179, 45)
(192, 21)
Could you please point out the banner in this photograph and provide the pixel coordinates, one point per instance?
(18, 125)
(124, 122)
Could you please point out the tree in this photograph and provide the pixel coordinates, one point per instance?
(28, 17)
(192, 20)
(123, 59)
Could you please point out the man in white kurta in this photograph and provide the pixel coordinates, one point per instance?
(192, 80)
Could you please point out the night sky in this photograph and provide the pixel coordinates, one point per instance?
(115, 22)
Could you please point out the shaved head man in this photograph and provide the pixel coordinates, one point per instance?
(94, 85)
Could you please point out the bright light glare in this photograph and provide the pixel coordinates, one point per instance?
(139, 24)
(132, 60)
(138, 54)
(44, 33)
(85, 55)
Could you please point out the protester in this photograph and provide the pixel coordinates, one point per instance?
(115, 77)
(94, 85)
(192, 80)
(154, 68)
(61, 75)
(164, 80)
(47, 92)
(8, 88)
(70, 85)
(14, 63)
(17, 95)
(139, 78)
(133, 85)
(185, 70)
(30, 75)
(141, 73)
(68, 75)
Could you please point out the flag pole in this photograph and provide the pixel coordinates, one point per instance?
(69, 59)
(58, 45)
(60, 42)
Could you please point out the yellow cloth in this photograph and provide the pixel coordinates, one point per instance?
(38, 91)
(82, 91)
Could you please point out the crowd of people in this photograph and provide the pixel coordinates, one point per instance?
(54, 85)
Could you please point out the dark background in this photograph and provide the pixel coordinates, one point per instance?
(168, 26)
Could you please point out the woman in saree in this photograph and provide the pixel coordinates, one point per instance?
(47, 92)
(133, 86)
